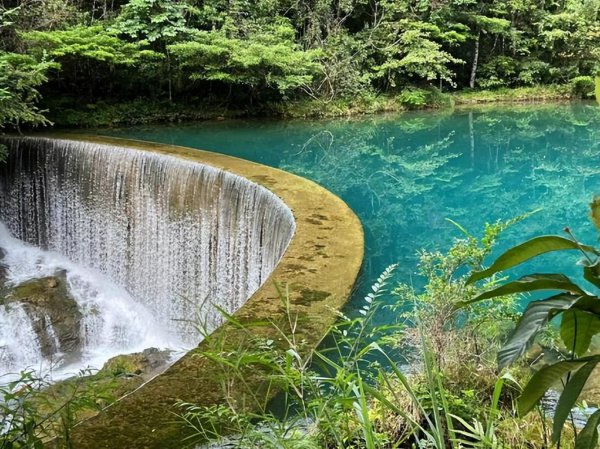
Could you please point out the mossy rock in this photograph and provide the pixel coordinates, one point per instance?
(53, 311)
(118, 377)
(145, 363)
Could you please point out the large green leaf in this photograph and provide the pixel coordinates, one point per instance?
(589, 303)
(530, 283)
(577, 329)
(588, 437)
(537, 314)
(525, 251)
(569, 396)
(591, 273)
(543, 380)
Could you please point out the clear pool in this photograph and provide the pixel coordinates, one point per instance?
(405, 174)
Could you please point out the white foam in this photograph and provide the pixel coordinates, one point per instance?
(113, 322)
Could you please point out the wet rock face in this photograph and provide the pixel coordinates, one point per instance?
(3, 270)
(54, 314)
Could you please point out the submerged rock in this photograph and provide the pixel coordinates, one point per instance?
(54, 314)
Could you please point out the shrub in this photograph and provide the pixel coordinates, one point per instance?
(417, 98)
(577, 307)
(34, 410)
(413, 98)
(583, 87)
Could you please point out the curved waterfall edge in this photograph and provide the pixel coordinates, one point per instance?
(318, 270)
(186, 240)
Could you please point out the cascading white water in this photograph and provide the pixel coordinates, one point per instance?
(178, 236)
(19, 347)
(112, 321)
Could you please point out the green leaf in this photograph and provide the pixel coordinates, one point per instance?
(589, 304)
(530, 283)
(591, 273)
(577, 329)
(543, 380)
(588, 437)
(537, 314)
(528, 250)
(569, 396)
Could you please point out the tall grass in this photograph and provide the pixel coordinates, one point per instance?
(356, 392)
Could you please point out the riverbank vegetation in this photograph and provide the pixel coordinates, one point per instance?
(37, 411)
(430, 380)
(83, 62)
(461, 368)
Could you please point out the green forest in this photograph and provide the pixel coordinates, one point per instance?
(63, 60)
(481, 332)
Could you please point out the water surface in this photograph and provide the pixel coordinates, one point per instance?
(404, 175)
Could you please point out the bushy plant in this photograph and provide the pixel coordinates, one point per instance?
(266, 57)
(323, 394)
(413, 98)
(498, 72)
(342, 76)
(417, 98)
(479, 328)
(583, 86)
(20, 78)
(579, 311)
(19, 418)
(453, 351)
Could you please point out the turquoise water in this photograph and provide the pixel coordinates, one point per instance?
(404, 175)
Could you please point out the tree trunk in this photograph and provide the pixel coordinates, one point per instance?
(169, 77)
(475, 61)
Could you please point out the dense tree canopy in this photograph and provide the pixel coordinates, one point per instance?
(247, 52)
(20, 76)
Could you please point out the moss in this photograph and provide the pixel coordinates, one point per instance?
(308, 295)
(294, 268)
(46, 289)
(86, 394)
(144, 363)
(3, 273)
(122, 364)
(264, 180)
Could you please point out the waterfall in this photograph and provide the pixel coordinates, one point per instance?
(19, 347)
(112, 321)
(177, 236)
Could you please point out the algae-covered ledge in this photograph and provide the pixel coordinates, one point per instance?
(319, 269)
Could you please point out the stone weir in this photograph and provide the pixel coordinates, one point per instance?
(183, 231)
